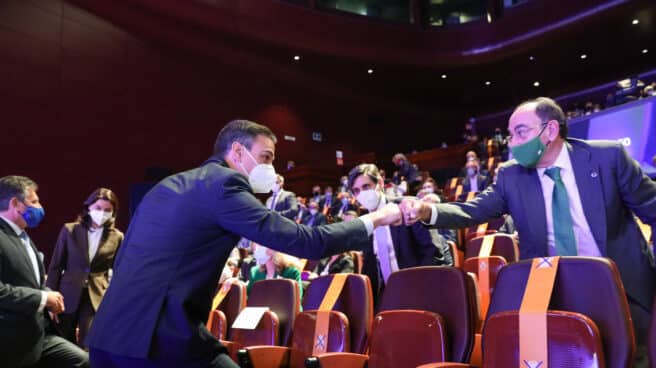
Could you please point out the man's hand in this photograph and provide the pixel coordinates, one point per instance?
(55, 302)
(414, 210)
(388, 215)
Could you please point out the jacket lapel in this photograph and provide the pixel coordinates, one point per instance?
(588, 180)
(81, 238)
(20, 248)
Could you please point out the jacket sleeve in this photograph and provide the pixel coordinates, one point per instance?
(238, 211)
(58, 260)
(638, 192)
(427, 251)
(17, 299)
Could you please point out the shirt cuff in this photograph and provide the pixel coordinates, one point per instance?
(368, 223)
(44, 298)
(433, 218)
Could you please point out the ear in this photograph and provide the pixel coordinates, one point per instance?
(13, 202)
(553, 130)
(236, 151)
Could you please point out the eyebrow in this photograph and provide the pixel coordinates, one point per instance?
(519, 126)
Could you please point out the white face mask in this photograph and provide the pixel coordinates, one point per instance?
(100, 217)
(313, 211)
(369, 198)
(276, 188)
(260, 255)
(428, 190)
(263, 176)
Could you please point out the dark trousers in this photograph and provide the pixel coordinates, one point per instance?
(82, 318)
(103, 359)
(59, 353)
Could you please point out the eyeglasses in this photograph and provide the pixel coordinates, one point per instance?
(523, 132)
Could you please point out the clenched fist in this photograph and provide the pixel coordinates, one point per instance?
(55, 302)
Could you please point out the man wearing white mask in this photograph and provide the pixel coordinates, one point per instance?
(167, 269)
(281, 200)
(393, 247)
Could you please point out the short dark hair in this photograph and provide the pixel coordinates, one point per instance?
(242, 131)
(370, 170)
(100, 193)
(14, 186)
(547, 109)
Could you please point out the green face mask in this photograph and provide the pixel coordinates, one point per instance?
(530, 153)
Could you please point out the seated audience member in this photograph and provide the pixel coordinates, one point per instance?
(393, 247)
(405, 170)
(327, 201)
(339, 263)
(430, 187)
(474, 181)
(343, 204)
(469, 134)
(281, 200)
(272, 264)
(343, 185)
(316, 194)
(302, 209)
(314, 216)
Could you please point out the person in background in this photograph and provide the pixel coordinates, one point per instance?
(405, 171)
(344, 204)
(327, 201)
(27, 306)
(281, 200)
(343, 185)
(314, 216)
(338, 263)
(474, 181)
(82, 262)
(316, 194)
(272, 264)
(302, 209)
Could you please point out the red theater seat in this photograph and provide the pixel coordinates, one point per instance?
(228, 310)
(504, 246)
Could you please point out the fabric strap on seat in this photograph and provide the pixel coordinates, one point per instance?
(218, 298)
(484, 273)
(320, 344)
(533, 346)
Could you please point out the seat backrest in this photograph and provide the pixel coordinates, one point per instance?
(232, 304)
(339, 336)
(355, 301)
(573, 341)
(266, 333)
(587, 285)
(457, 254)
(494, 264)
(651, 338)
(504, 246)
(218, 324)
(407, 338)
(446, 291)
(358, 261)
(283, 298)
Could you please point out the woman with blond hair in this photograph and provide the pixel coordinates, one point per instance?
(272, 265)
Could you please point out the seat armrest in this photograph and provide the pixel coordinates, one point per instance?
(337, 360)
(264, 356)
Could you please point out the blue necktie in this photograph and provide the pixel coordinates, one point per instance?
(562, 218)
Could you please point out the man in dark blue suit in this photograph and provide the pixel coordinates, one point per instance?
(392, 247)
(586, 209)
(281, 200)
(166, 272)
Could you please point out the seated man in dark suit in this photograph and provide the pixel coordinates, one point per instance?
(27, 337)
(314, 216)
(392, 247)
(566, 197)
(343, 204)
(282, 201)
(473, 181)
(167, 269)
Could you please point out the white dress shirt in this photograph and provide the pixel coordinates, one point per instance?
(585, 242)
(94, 241)
(33, 260)
(473, 184)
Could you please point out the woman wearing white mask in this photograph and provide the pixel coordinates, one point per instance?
(81, 264)
(273, 265)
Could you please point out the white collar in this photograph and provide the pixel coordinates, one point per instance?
(15, 227)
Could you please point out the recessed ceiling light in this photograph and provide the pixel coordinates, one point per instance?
(644, 51)
(584, 56)
(370, 71)
(531, 58)
(635, 21)
(443, 76)
(297, 58)
(536, 84)
(487, 83)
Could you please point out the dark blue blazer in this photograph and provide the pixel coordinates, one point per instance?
(286, 205)
(168, 266)
(612, 188)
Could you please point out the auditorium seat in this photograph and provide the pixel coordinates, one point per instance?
(589, 287)
(358, 261)
(504, 246)
(458, 255)
(281, 296)
(651, 338)
(349, 325)
(226, 312)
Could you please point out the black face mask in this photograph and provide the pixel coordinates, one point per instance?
(316, 192)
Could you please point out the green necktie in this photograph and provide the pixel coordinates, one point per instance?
(562, 218)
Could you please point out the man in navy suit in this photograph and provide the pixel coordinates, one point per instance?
(473, 180)
(392, 247)
(604, 189)
(166, 272)
(27, 336)
(314, 216)
(281, 200)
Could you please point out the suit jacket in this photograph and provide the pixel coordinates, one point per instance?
(413, 246)
(169, 264)
(22, 327)
(286, 204)
(343, 264)
(612, 187)
(466, 186)
(338, 209)
(70, 270)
